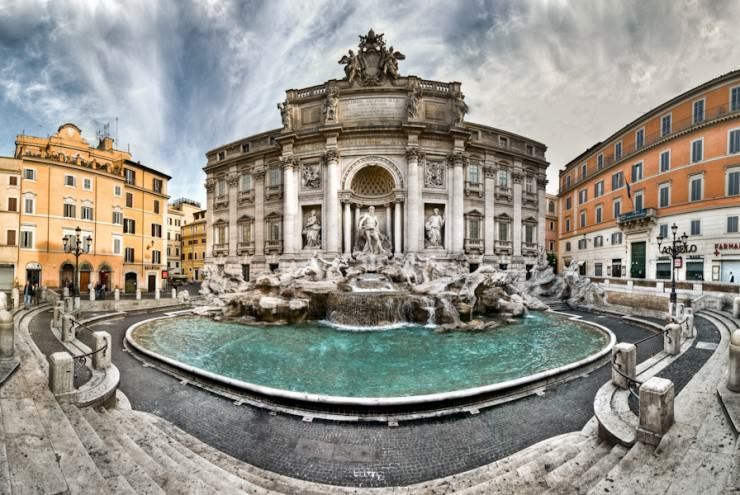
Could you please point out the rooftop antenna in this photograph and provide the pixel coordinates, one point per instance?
(116, 129)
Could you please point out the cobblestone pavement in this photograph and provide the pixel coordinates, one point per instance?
(361, 454)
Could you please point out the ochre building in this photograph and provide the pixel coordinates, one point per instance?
(10, 192)
(194, 246)
(381, 146)
(119, 203)
(677, 164)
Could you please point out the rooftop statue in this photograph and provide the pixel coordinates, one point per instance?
(373, 63)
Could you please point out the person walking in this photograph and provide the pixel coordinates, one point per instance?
(36, 294)
(27, 294)
(732, 278)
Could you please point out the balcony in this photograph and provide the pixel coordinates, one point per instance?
(220, 249)
(473, 246)
(273, 192)
(274, 246)
(473, 188)
(503, 193)
(529, 198)
(246, 196)
(502, 247)
(637, 219)
(221, 202)
(529, 248)
(245, 248)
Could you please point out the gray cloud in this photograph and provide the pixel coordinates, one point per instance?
(184, 77)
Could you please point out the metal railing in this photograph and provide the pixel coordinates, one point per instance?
(81, 359)
(633, 384)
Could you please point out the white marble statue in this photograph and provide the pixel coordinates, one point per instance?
(312, 231)
(433, 227)
(369, 227)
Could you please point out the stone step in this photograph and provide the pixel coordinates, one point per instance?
(631, 461)
(119, 440)
(219, 478)
(158, 449)
(111, 459)
(528, 478)
(597, 472)
(118, 485)
(562, 479)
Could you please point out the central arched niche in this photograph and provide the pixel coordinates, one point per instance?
(372, 181)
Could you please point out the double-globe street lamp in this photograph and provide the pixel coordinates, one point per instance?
(77, 245)
(678, 245)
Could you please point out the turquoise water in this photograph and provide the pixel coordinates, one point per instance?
(319, 359)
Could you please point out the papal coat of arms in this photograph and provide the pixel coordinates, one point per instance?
(373, 63)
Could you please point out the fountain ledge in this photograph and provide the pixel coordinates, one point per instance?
(381, 401)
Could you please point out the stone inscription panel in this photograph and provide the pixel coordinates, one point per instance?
(311, 115)
(385, 107)
(435, 111)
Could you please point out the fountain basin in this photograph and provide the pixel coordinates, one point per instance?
(319, 364)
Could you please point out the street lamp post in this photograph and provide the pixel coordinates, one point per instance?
(678, 245)
(77, 245)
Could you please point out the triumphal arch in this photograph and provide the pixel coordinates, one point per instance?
(376, 161)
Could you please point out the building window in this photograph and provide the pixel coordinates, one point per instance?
(582, 243)
(598, 188)
(600, 161)
(503, 179)
(503, 142)
(87, 184)
(276, 178)
(698, 111)
(503, 231)
(583, 171)
(27, 239)
(568, 203)
(663, 230)
(734, 141)
(639, 201)
(474, 228)
(12, 180)
(697, 150)
(598, 241)
(156, 230)
(529, 184)
(582, 196)
(156, 206)
(665, 161)
(69, 180)
(735, 99)
(583, 219)
(529, 234)
(87, 212)
(245, 148)
(220, 234)
(617, 181)
(665, 125)
(10, 238)
(221, 155)
(117, 191)
(567, 224)
(664, 195)
(12, 204)
(616, 238)
(637, 172)
(157, 185)
(221, 188)
(695, 187)
(599, 214)
(530, 149)
(732, 224)
(567, 246)
(733, 182)
(246, 182)
(117, 218)
(129, 176)
(473, 174)
(129, 226)
(696, 227)
(695, 270)
(117, 245)
(29, 174)
(617, 208)
(129, 255)
(129, 200)
(598, 269)
(640, 138)
(69, 211)
(663, 270)
(618, 151)
(567, 182)
(28, 206)
(156, 257)
(245, 233)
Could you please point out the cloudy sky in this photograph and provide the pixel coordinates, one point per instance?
(185, 76)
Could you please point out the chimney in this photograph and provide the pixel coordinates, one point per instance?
(106, 144)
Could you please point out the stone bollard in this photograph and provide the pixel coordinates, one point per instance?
(55, 318)
(138, 294)
(174, 293)
(65, 292)
(736, 307)
(101, 359)
(44, 294)
(61, 373)
(92, 294)
(15, 296)
(69, 305)
(624, 356)
(679, 309)
(68, 331)
(656, 410)
(672, 339)
(7, 335)
(733, 374)
(77, 303)
(3, 300)
(688, 326)
(117, 294)
(156, 294)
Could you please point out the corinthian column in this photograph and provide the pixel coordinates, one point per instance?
(458, 220)
(290, 205)
(397, 227)
(413, 201)
(516, 227)
(347, 228)
(259, 213)
(490, 213)
(541, 209)
(332, 200)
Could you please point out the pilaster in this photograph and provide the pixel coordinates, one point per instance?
(489, 222)
(331, 200)
(516, 224)
(413, 206)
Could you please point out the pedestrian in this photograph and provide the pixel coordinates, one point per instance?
(732, 278)
(27, 294)
(36, 294)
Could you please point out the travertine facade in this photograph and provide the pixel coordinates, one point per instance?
(398, 144)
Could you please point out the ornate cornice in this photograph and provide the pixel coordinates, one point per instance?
(233, 178)
(457, 159)
(210, 185)
(259, 175)
(288, 162)
(489, 171)
(413, 154)
(517, 177)
(330, 155)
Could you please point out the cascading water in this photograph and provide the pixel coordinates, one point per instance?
(448, 313)
(368, 309)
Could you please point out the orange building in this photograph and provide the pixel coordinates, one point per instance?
(194, 246)
(120, 204)
(677, 164)
(551, 224)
